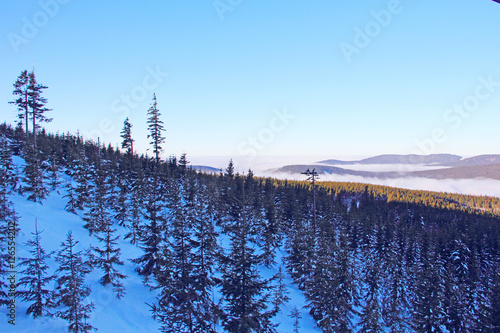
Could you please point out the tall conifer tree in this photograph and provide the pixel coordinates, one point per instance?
(126, 134)
(35, 278)
(156, 129)
(21, 92)
(71, 290)
(36, 104)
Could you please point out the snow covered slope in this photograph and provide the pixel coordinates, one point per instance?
(129, 314)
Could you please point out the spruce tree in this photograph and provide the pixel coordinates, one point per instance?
(492, 319)
(35, 176)
(137, 197)
(71, 204)
(107, 257)
(35, 278)
(21, 92)
(183, 162)
(36, 104)
(71, 290)
(152, 234)
(122, 202)
(8, 176)
(126, 135)
(458, 300)
(270, 233)
(331, 290)
(81, 175)
(97, 215)
(156, 129)
(185, 303)
(54, 181)
(296, 316)
(371, 312)
(427, 302)
(395, 286)
(247, 303)
(8, 217)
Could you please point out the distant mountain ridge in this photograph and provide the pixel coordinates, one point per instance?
(205, 168)
(433, 159)
(476, 160)
(491, 171)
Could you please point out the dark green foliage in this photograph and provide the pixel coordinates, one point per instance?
(380, 259)
(97, 216)
(71, 290)
(8, 216)
(151, 238)
(21, 93)
(35, 178)
(296, 316)
(107, 257)
(135, 206)
(81, 175)
(247, 297)
(126, 135)
(185, 303)
(53, 181)
(36, 104)
(35, 282)
(30, 102)
(156, 129)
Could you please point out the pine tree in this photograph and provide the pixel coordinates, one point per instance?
(183, 162)
(395, 287)
(126, 134)
(202, 211)
(97, 216)
(246, 295)
(71, 291)
(137, 198)
(37, 103)
(151, 235)
(156, 129)
(331, 290)
(71, 204)
(54, 180)
(8, 177)
(458, 288)
(185, 303)
(35, 278)
(300, 248)
(35, 175)
(371, 313)
(230, 169)
(81, 176)
(8, 218)
(21, 91)
(279, 292)
(296, 316)
(270, 233)
(427, 302)
(121, 207)
(492, 319)
(177, 297)
(107, 258)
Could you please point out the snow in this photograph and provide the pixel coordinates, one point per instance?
(131, 313)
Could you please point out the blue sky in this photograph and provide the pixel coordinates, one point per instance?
(261, 77)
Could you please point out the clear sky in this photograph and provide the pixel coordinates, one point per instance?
(264, 77)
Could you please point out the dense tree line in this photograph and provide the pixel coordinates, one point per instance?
(369, 264)
(454, 201)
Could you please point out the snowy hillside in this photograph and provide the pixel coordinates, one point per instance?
(129, 314)
(232, 252)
